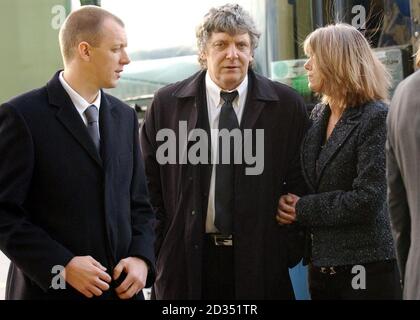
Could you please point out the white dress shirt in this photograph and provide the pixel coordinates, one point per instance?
(78, 101)
(214, 105)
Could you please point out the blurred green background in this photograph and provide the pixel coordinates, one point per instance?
(29, 52)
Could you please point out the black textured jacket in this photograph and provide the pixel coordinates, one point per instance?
(346, 209)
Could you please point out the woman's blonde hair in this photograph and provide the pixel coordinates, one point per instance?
(418, 57)
(350, 72)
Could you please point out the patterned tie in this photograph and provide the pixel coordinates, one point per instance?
(224, 192)
(92, 115)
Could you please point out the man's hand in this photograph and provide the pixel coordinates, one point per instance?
(286, 210)
(87, 276)
(136, 270)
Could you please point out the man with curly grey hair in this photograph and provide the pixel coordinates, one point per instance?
(217, 237)
(238, 21)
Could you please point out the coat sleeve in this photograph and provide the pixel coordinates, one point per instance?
(368, 193)
(398, 207)
(295, 184)
(142, 216)
(149, 148)
(26, 244)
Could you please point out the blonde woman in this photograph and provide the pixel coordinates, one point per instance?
(343, 161)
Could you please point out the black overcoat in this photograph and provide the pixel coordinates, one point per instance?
(263, 250)
(60, 198)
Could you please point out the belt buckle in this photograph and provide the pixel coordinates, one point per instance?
(223, 240)
(329, 270)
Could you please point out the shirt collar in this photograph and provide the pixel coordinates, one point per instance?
(214, 91)
(79, 102)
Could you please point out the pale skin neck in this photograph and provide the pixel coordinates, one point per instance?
(80, 82)
(336, 112)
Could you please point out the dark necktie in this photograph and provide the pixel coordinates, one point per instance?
(224, 189)
(92, 115)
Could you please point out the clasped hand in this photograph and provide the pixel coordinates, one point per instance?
(286, 209)
(90, 278)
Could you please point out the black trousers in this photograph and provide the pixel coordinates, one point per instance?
(218, 281)
(380, 281)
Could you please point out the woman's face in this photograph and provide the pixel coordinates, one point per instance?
(314, 77)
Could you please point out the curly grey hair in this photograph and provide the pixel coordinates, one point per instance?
(229, 18)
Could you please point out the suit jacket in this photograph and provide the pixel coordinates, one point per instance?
(60, 198)
(346, 207)
(263, 250)
(403, 152)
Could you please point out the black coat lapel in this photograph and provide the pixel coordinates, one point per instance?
(187, 100)
(259, 92)
(70, 118)
(311, 147)
(341, 132)
(108, 126)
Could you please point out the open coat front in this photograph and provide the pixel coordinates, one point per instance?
(263, 250)
(60, 198)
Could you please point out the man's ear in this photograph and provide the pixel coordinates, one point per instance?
(203, 56)
(84, 50)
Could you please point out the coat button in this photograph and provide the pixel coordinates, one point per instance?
(196, 246)
(193, 212)
(190, 178)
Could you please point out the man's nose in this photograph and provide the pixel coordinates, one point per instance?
(232, 52)
(125, 59)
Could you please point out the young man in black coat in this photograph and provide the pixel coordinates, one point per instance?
(73, 198)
